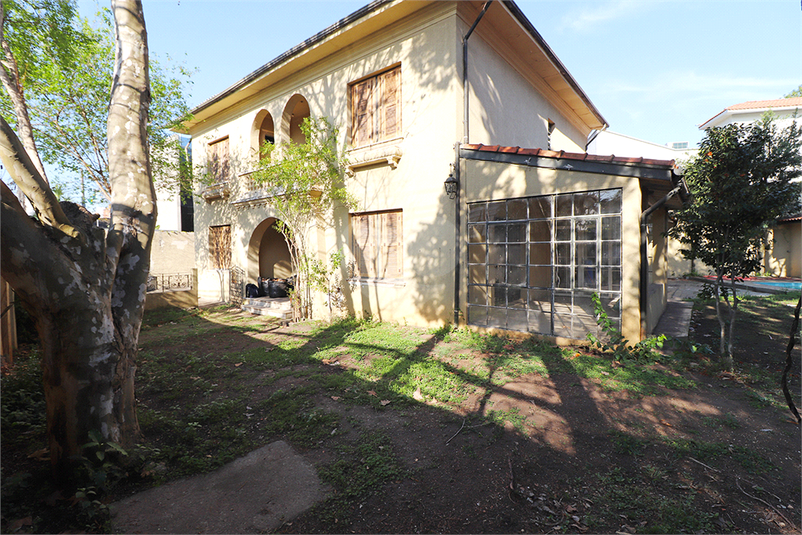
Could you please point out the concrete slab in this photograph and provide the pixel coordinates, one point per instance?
(253, 494)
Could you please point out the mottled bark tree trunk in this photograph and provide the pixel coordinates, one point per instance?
(84, 286)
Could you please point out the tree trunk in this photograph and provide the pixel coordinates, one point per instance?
(733, 312)
(86, 287)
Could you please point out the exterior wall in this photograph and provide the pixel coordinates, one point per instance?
(492, 180)
(178, 298)
(172, 252)
(505, 108)
(658, 264)
(608, 142)
(784, 258)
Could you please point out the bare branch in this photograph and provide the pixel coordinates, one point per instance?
(23, 172)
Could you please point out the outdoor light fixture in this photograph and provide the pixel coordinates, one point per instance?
(451, 184)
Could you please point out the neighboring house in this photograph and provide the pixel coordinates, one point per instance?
(784, 257)
(608, 142)
(526, 237)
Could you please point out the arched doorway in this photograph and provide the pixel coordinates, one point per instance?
(263, 131)
(295, 112)
(268, 254)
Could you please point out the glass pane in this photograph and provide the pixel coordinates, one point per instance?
(540, 300)
(562, 254)
(583, 303)
(539, 322)
(562, 230)
(611, 304)
(497, 317)
(611, 228)
(540, 207)
(582, 325)
(516, 275)
(497, 296)
(585, 254)
(611, 279)
(586, 203)
(586, 277)
(562, 302)
(516, 320)
(477, 295)
(497, 211)
(610, 201)
(476, 233)
(540, 276)
(611, 253)
(540, 231)
(497, 254)
(477, 254)
(497, 232)
(516, 254)
(496, 274)
(477, 315)
(516, 209)
(540, 253)
(476, 274)
(563, 206)
(477, 212)
(516, 232)
(562, 325)
(516, 298)
(586, 229)
(562, 277)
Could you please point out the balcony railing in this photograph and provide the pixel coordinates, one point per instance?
(169, 282)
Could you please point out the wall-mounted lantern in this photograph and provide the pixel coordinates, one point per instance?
(451, 184)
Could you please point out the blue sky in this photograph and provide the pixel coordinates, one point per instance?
(655, 69)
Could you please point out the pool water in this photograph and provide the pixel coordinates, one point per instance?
(776, 284)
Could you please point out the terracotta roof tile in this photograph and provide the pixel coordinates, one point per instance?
(760, 104)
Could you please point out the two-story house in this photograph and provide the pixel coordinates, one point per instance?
(424, 93)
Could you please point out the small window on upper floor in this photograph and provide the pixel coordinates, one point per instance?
(217, 159)
(376, 108)
(551, 125)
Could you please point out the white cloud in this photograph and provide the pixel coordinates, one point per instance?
(582, 19)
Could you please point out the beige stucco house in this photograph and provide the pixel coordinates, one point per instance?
(527, 237)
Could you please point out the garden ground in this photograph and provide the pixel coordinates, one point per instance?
(414, 430)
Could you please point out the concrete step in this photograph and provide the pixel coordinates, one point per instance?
(277, 307)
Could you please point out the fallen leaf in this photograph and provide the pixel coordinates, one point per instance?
(40, 455)
(570, 509)
(417, 395)
(238, 364)
(372, 393)
(667, 424)
(385, 402)
(335, 398)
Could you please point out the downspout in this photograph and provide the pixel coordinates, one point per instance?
(457, 173)
(644, 259)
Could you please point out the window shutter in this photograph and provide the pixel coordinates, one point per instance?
(362, 106)
(390, 122)
(364, 245)
(218, 160)
(220, 247)
(392, 261)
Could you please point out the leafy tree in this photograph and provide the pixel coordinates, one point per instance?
(68, 100)
(741, 181)
(306, 184)
(795, 93)
(85, 287)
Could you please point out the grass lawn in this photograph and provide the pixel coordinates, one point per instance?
(441, 430)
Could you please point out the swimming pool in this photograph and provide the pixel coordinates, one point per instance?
(780, 285)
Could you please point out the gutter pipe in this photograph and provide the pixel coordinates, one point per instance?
(644, 258)
(457, 174)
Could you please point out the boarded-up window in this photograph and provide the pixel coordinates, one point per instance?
(220, 247)
(377, 243)
(376, 108)
(217, 159)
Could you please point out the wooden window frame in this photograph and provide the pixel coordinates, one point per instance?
(218, 159)
(377, 242)
(220, 247)
(376, 108)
